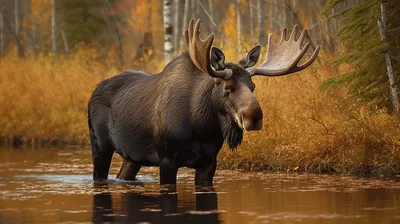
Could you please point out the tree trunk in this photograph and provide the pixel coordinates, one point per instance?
(239, 27)
(17, 29)
(193, 8)
(382, 32)
(185, 15)
(214, 25)
(10, 27)
(251, 15)
(53, 27)
(272, 11)
(114, 29)
(261, 30)
(16, 14)
(211, 8)
(177, 35)
(1, 33)
(168, 45)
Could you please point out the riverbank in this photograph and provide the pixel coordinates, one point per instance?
(306, 128)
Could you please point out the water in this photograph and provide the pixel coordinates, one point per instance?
(55, 186)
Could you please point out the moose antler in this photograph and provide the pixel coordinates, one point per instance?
(282, 58)
(199, 51)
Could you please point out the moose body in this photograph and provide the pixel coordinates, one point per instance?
(177, 118)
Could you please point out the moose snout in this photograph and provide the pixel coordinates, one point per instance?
(250, 117)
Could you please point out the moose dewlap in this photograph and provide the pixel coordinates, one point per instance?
(181, 116)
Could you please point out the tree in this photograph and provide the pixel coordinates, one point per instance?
(1, 33)
(382, 32)
(53, 27)
(239, 23)
(168, 45)
(260, 16)
(251, 15)
(177, 35)
(366, 51)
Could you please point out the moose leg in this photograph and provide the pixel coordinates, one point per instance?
(102, 151)
(168, 171)
(128, 170)
(205, 174)
(102, 157)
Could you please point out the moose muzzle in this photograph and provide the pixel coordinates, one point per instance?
(249, 115)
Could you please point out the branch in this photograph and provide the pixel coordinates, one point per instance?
(214, 24)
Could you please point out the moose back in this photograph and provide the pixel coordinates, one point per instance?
(182, 116)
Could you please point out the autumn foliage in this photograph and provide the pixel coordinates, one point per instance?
(307, 128)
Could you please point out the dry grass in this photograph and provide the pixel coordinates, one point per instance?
(305, 129)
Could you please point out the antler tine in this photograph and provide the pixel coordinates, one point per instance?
(282, 58)
(199, 51)
(303, 35)
(191, 28)
(294, 33)
(196, 31)
(308, 62)
(283, 37)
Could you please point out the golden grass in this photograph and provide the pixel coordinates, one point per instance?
(305, 128)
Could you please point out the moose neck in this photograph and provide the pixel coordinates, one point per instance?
(207, 108)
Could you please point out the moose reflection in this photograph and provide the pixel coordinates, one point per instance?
(163, 208)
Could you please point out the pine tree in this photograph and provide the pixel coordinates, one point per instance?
(359, 32)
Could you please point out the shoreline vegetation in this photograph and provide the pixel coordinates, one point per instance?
(307, 128)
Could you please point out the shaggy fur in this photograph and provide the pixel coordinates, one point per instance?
(179, 117)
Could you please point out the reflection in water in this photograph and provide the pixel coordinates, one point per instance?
(55, 186)
(163, 208)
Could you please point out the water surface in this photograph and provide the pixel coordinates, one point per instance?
(55, 186)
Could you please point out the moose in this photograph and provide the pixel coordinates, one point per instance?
(181, 116)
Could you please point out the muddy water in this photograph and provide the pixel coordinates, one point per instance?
(55, 186)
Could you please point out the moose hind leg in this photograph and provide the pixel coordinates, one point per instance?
(128, 170)
(102, 151)
(102, 156)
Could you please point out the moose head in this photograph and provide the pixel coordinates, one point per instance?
(234, 80)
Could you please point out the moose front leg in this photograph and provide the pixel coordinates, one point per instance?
(168, 171)
(205, 174)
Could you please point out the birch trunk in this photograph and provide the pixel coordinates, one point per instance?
(211, 8)
(16, 14)
(239, 26)
(168, 45)
(177, 35)
(261, 30)
(185, 15)
(271, 8)
(251, 18)
(193, 8)
(382, 32)
(53, 27)
(211, 12)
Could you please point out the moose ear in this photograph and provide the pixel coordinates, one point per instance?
(251, 58)
(217, 59)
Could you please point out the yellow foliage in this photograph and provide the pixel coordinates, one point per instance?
(305, 129)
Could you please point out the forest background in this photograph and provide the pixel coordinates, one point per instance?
(338, 116)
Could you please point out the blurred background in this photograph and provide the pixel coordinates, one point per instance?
(339, 115)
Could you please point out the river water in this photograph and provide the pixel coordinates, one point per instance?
(55, 186)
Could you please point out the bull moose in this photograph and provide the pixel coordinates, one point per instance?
(181, 116)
